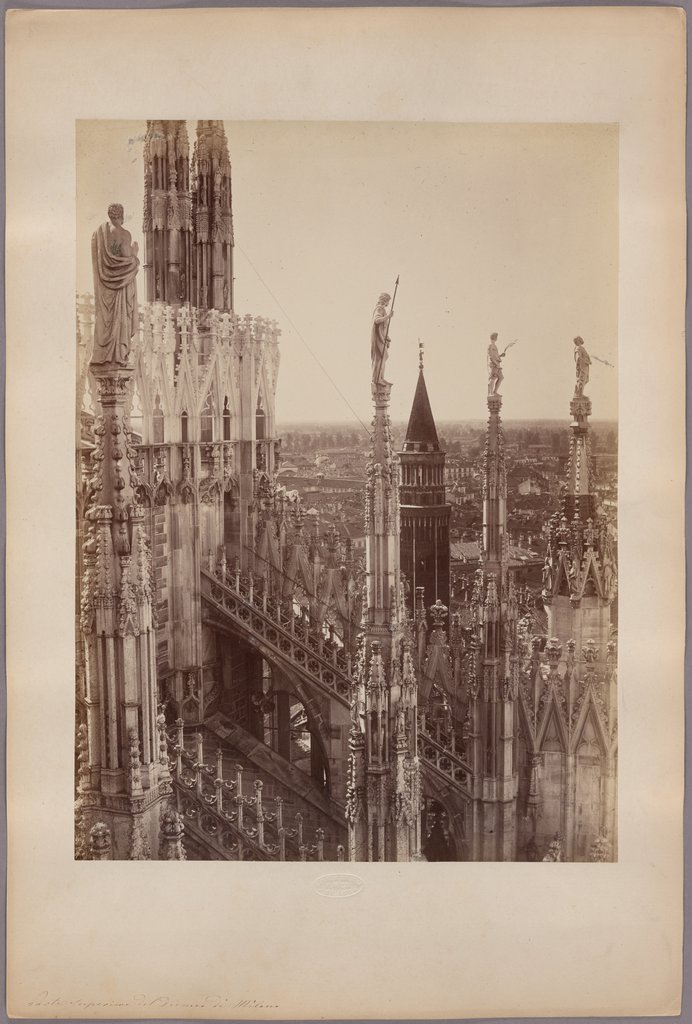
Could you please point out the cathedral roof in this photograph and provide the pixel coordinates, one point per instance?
(421, 434)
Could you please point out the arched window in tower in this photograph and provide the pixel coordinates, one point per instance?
(259, 419)
(206, 420)
(157, 421)
(226, 420)
(183, 428)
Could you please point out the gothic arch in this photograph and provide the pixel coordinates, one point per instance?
(319, 728)
(210, 383)
(527, 723)
(458, 808)
(591, 580)
(208, 415)
(553, 716)
(590, 782)
(185, 391)
(437, 672)
(589, 716)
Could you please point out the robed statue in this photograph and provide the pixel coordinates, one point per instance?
(114, 256)
(379, 338)
(582, 361)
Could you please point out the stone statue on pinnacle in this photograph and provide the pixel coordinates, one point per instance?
(115, 262)
(582, 361)
(495, 374)
(379, 336)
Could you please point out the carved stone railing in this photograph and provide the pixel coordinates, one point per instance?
(291, 639)
(437, 753)
(284, 633)
(232, 823)
(440, 727)
(158, 318)
(161, 325)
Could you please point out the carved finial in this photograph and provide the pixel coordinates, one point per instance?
(554, 853)
(600, 848)
(438, 613)
(172, 829)
(590, 652)
(421, 348)
(553, 650)
(135, 762)
(332, 538)
(100, 841)
(163, 738)
(83, 757)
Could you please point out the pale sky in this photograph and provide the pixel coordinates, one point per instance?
(507, 228)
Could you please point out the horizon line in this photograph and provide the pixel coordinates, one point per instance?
(439, 422)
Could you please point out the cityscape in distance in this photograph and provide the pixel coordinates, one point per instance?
(326, 465)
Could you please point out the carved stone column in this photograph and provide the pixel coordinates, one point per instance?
(570, 796)
(124, 769)
(356, 790)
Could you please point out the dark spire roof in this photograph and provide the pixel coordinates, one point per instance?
(421, 435)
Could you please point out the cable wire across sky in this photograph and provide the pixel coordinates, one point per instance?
(302, 339)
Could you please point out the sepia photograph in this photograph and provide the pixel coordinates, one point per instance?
(345, 512)
(347, 491)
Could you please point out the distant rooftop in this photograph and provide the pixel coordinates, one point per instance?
(469, 551)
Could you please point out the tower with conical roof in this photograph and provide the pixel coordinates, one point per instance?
(425, 513)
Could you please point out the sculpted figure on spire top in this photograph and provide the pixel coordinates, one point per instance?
(495, 374)
(379, 338)
(582, 361)
(115, 261)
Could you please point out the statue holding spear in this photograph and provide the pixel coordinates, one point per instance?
(379, 338)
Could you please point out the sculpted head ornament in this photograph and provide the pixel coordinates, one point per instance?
(116, 211)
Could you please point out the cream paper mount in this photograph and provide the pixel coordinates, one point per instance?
(186, 940)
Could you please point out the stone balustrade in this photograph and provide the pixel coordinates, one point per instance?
(284, 632)
(233, 822)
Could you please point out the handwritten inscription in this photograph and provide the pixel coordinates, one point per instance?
(143, 1001)
(338, 886)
